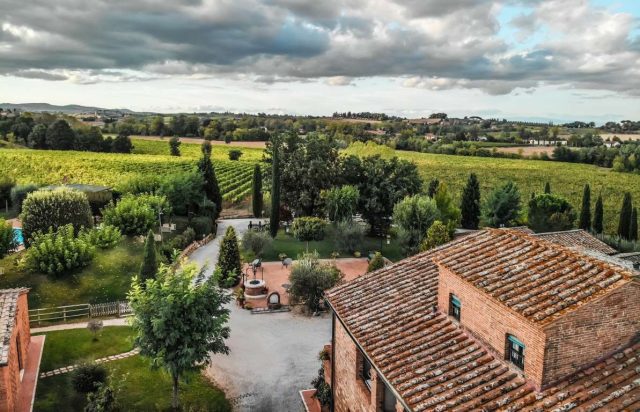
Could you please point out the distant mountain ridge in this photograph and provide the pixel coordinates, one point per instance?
(69, 108)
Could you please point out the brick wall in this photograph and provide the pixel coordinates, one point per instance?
(10, 374)
(592, 332)
(490, 321)
(350, 392)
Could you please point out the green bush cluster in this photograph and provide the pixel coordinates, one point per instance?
(256, 242)
(349, 235)
(88, 377)
(7, 240)
(56, 252)
(45, 209)
(104, 237)
(134, 215)
(19, 193)
(202, 226)
(308, 228)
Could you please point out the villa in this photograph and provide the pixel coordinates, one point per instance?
(495, 320)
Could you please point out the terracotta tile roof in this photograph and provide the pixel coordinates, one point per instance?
(8, 306)
(536, 278)
(578, 238)
(435, 366)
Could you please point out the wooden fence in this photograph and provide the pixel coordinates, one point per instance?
(76, 312)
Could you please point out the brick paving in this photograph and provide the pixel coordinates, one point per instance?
(71, 368)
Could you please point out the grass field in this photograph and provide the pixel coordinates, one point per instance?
(67, 347)
(138, 387)
(566, 179)
(106, 279)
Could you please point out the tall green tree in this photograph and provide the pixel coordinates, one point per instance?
(633, 230)
(256, 191)
(208, 172)
(585, 211)
(624, 224)
(550, 213)
(547, 188)
(438, 234)
(149, 266)
(598, 216)
(174, 146)
(413, 216)
(229, 258)
(178, 325)
(274, 221)
(503, 206)
(449, 212)
(60, 136)
(470, 204)
(382, 183)
(341, 203)
(433, 187)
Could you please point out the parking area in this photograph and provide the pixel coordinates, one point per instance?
(273, 356)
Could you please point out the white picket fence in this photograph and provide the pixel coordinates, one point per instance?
(75, 312)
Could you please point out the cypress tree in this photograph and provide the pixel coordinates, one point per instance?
(256, 191)
(624, 224)
(598, 218)
(470, 204)
(585, 212)
(174, 146)
(149, 266)
(547, 188)
(433, 187)
(229, 259)
(633, 230)
(208, 172)
(274, 221)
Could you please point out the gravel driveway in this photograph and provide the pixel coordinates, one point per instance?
(273, 356)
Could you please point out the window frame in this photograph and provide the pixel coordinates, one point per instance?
(364, 370)
(455, 307)
(515, 351)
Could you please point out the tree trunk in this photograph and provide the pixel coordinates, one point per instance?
(174, 397)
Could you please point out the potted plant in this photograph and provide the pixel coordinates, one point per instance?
(282, 256)
(356, 253)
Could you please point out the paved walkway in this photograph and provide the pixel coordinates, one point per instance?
(208, 254)
(80, 325)
(272, 358)
(71, 368)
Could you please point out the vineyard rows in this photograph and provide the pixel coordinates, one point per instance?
(111, 169)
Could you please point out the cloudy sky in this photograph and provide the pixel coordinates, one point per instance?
(553, 59)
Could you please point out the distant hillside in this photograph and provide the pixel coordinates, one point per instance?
(46, 107)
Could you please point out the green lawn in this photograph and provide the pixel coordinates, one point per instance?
(106, 279)
(284, 243)
(67, 347)
(192, 150)
(140, 388)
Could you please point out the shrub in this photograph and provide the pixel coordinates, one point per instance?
(88, 377)
(502, 207)
(45, 209)
(94, 326)
(133, 215)
(235, 154)
(438, 234)
(308, 228)
(550, 213)
(323, 390)
(103, 399)
(256, 242)
(105, 237)
(19, 193)
(309, 279)
(229, 259)
(349, 235)
(202, 226)
(377, 262)
(7, 239)
(56, 252)
(6, 185)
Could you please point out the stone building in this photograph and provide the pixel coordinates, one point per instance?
(496, 320)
